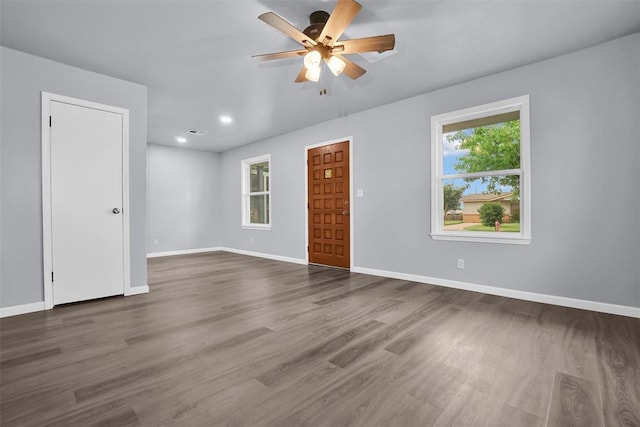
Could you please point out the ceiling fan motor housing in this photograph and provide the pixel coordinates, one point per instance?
(317, 21)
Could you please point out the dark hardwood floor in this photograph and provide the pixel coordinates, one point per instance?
(225, 339)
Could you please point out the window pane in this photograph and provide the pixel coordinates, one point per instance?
(259, 177)
(484, 148)
(259, 209)
(470, 204)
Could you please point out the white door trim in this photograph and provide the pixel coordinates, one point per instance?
(348, 139)
(47, 98)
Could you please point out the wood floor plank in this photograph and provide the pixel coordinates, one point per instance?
(353, 353)
(324, 349)
(464, 409)
(16, 361)
(348, 294)
(341, 402)
(92, 417)
(578, 345)
(575, 402)
(227, 339)
(618, 347)
(508, 416)
(294, 392)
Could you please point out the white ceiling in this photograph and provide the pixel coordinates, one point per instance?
(195, 56)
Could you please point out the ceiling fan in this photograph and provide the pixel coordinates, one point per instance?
(320, 42)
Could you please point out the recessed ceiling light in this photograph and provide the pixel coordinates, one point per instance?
(181, 139)
(225, 119)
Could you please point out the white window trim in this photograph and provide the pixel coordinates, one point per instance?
(245, 166)
(520, 103)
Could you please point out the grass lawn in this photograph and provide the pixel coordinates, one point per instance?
(452, 222)
(509, 228)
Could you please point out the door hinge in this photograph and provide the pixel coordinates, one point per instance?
(52, 276)
(307, 248)
(49, 121)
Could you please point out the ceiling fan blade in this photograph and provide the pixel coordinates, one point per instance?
(281, 25)
(280, 55)
(351, 69)
(301, 78)
(366, 44)
(339, 20)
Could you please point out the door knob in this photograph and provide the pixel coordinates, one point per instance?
(115, 211)
(345, 213)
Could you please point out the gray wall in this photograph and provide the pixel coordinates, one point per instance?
(22, 79)
(585, 152)
(585, 200)
(182, 190)
(287, 178)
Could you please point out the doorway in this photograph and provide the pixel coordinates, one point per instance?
(329, 204)
(85, 200)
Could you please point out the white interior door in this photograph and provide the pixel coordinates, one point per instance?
(87, 225)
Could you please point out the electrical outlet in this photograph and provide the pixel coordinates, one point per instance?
(461, 263)
(251, 240)
(155, 242)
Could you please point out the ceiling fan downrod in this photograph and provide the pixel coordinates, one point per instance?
(317, 21)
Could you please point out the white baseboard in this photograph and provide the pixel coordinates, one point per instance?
(21, 309)
(39, 306)
(232, 250)
(268, 256)
(137, 290)
(621, 310)
(182, 252)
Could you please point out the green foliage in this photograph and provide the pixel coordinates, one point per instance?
(515, 215)
(452, 196)
(490, 213)
(491, 148)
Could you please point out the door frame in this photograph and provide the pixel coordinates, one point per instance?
(348, 139)
(47, 254)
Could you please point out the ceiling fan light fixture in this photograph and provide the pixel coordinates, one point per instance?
(313, 73)
(312, 59)
(336, 65)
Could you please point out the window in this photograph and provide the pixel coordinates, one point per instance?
(480, 173)
(256, 191)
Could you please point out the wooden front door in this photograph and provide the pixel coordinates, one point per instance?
(329, 210)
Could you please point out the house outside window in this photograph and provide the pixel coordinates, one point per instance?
(256, 192)
(481, 179)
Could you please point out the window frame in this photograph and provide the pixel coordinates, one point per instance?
(521, 104)
(247, 194)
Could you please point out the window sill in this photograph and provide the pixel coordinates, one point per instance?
(265, 227)
(480, 237)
